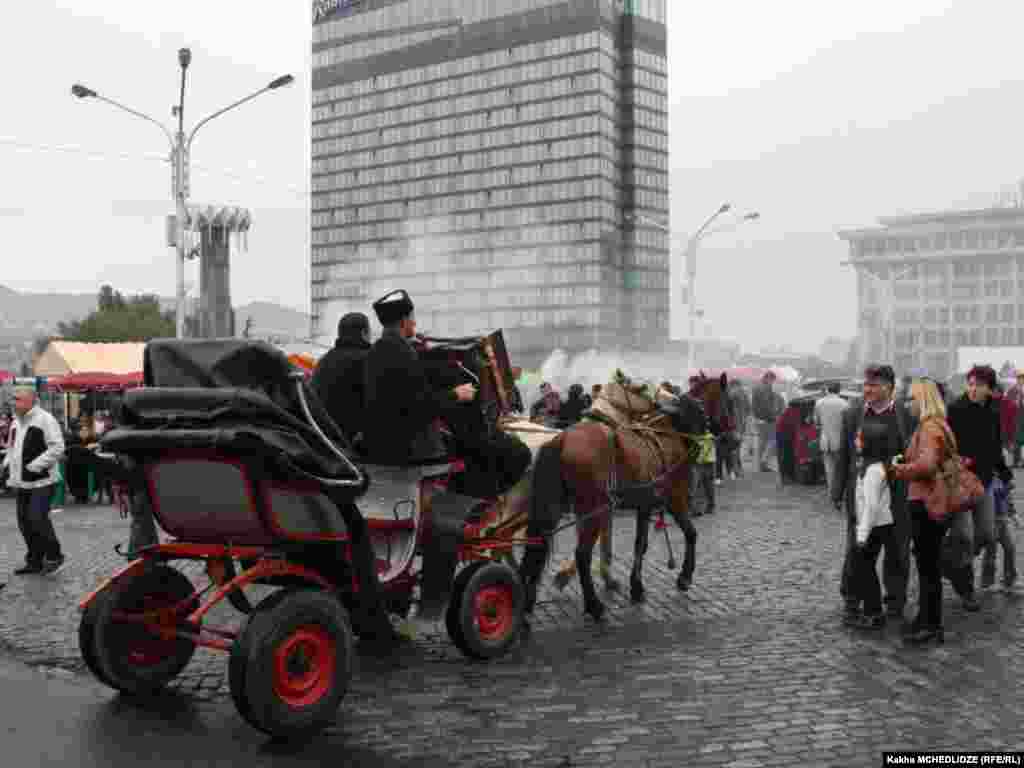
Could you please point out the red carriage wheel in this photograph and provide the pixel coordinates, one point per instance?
(128, 655)
(290, 667)
(489, 611)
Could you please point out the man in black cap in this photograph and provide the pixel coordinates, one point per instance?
(340, 375)
(401, 407)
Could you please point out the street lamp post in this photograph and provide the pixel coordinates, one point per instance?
(179, 160)
(691, 267)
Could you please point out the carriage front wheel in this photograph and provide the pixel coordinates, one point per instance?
(128, 655)
(486, 615)
(291, 665)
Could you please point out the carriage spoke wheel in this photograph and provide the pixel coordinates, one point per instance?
(132, 657)
(290, 667)
(488, 611)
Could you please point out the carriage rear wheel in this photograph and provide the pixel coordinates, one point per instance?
(126, 655)
(291, 665)
(488, 611)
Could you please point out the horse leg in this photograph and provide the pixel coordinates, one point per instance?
(605, 568)
(565, 573)
(683, 520)
(584, 557)
(637, 593)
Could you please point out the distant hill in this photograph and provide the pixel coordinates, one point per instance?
(271, 319)
(26, 316)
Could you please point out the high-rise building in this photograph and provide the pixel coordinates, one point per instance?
(492, 157)
(930, 284)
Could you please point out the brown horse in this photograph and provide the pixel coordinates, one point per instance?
(591, 465)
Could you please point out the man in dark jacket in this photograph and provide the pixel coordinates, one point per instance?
(340, 376)
(401, 408)
(766, 405)
(974, 420)
(879, 412)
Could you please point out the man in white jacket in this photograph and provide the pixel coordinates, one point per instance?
(35, 445)
(828, 415)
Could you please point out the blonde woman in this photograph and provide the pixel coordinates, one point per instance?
(930, 445)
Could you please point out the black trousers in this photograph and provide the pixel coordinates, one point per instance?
(896, 562)
(927, 535)
(33, 506)
(866, 588)
(704, 474)
(493, 464)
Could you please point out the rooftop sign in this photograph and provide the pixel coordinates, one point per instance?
(322, 9)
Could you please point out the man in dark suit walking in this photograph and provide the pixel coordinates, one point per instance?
(877, 411)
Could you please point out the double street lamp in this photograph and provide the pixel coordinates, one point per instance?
(690, 260)
(179, 159)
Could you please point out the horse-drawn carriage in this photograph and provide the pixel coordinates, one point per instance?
(243, 468)
(231, 450)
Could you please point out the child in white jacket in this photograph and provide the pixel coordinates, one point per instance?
(874, 514)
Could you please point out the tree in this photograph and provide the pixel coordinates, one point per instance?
(117, 319)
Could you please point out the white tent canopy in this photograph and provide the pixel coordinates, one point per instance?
(786, 373)
(997, 357)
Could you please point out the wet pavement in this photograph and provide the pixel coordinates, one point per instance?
(751, 667)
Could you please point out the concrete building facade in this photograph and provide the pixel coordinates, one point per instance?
(489, 157)
(930, 284)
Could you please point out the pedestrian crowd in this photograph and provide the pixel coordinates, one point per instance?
(916, 468)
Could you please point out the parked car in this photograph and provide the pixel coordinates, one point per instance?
(808, 466)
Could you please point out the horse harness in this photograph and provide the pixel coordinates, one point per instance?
(648, 434)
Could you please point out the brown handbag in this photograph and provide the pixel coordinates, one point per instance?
(954, 489)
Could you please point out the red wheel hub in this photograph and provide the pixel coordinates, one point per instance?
(304, 666)
(154, 641)
(494, 612)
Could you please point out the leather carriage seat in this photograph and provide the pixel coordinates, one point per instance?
(232, 395)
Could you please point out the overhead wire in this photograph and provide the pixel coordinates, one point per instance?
(208, 170)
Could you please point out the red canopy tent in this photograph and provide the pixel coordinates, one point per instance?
(94, 382)
(6, 376)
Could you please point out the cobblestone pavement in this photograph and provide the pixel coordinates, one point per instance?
(751, 667)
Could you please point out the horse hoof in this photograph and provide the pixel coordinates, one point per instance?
(561, 580)
(638, 595)
(612, 584)
(683, 584)
(672, 564)
(595, 610)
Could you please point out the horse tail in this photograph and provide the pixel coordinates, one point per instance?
(548, 497)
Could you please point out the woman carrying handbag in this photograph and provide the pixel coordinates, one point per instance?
(928, 504)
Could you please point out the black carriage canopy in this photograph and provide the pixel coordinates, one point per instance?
(234, 396)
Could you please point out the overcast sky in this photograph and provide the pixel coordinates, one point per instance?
(818, 115)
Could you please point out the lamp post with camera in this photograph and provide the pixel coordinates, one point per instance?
(179, 160)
